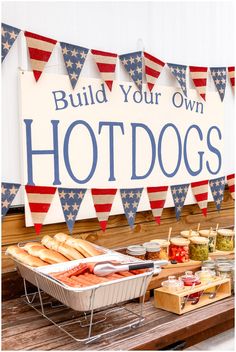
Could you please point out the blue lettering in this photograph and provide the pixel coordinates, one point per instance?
(125, 93)
(61, 99)
(176, 98)
(191, 171)
(214, 150)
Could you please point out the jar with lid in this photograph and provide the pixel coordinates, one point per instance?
(206, 276)
(189, 279)
(210, 265)
(225, 271)
(198, 248)
(211, 235)
(189, 233)
(152, 250)
(136, 251)
(164, 247)
(225, 240)
(178, 249)
(173, 284)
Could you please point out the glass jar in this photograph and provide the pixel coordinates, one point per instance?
(198, 248)
(226, 271)
(179, 250)
(164, 245)
(189, 233)
(225, 240)
(136, 251)
(210, 265)
(211, 235)
(206, 276)
(173, 284)
(189, 279)
(152, 251)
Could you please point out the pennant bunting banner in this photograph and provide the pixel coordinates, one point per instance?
(217, 186)
(200, 192)
(199, 77)
(74, 58)
(133, 64)
(130, 199)
(157, 198)
(9, 35)
(179, 72)
(106, 63)
(230, 181)
(40, 49)
(40, 199)
(103, 199)
(231, 73)
(219, 78)
(179, 193)
(71, 199)
(153, 67)
(9, 191)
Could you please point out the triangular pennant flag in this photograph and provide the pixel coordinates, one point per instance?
(130, 199)
(106, 63)
(9, 35)
(134, 66)
(217, 186)
(219, 78)
(179, 193)
(40, 199)
(153, 67)
(9, 191)
(103, 199)
(230, 181)
(231, 74)
(200, 192)
(199, 77)
(179, 72)
(71, 199)
(74, 58)
(157, 198)
(40, 49)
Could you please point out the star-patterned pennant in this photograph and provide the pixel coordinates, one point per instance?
(40, 50)
(9, 35)
(199, 77)
(74, 58)
(231, 74)
(200, 192)
(179, 193)
(157, 198)
(179, 72)
(217, 186)
(9, 191)
(106, 64)
(71, 199)
(40, 199)
(103, 199)
(230, 181)
(153, 68)
(133, 64)
(130, 199)
(219, 78)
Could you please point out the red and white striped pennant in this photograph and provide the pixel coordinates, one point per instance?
(106, 63)
(230, 181)
(199, 77)
(200, 192)
(40, 49)
(157, 198)
(103, 199)
(231, 73)
(40, 199)
(153, 67)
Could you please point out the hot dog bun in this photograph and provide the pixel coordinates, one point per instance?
(48, 255)
(64, 249)
(21, 255)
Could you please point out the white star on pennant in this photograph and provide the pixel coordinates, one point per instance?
(126, 205)
(3, 190)
(5, 204)
(13, 35)
(135, 204)
(6, 45)
(123, 194)
(131, 214)
(78, 65)
(75, 206)
(174, 191)
(131, 60)
(70, 216)
(74, 52)
(62, 194)
(69, 63)
(80, 195)
(138, 194)
(66, 207)
(83, 55)
(131, 194)
(73, 75)
(13, 190)
(71, 194)
(65, 51)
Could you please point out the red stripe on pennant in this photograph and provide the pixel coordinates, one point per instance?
(37, 74)
(199, 82)
(40, 37)
(38, 228)
(151, 72)
(40, 189)
(229, 177)
(100, 191)
(156, 204)
(103, 53)
(38, 54)
(101, 208)
(157, 189)
(201, 196)
(103, 225)
(199, 183)
(154, 59)
(106, 67)
(197, 69)
(39, 207)
(231, 68)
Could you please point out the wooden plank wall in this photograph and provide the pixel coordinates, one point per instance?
(118, 233)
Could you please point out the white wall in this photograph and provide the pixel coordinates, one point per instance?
(191, 33)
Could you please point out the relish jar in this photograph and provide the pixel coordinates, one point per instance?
(211, 235)
(173, 284)
(206, 276)
(164, 244)
(210, 265)
(189, 279)
(136, 251)
(152, 251)
(225, 240)
(198, 248)
(179, 250)
(189, 233)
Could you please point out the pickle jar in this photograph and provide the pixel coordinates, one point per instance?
(225, 240)
(173, 284)
(211, 235)
(164, 248)
(179, 250)
(138, 252)
(198, 248)
(210, 265)
(152, 250)
(189, 233)
(226, 271)
(206, 276)
(189, 279)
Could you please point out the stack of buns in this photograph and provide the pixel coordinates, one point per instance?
(61, 248)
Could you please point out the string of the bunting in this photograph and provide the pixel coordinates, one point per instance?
(40, 49)
(41, 197)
